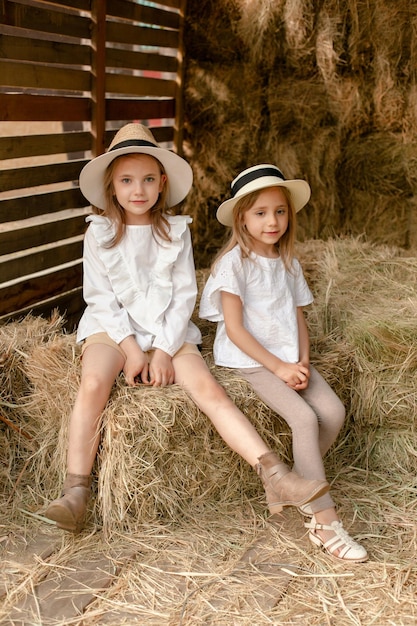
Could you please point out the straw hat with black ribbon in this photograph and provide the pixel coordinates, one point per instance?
(261, 177)
(136, 138)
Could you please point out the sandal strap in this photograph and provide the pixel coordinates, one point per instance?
(341, 539)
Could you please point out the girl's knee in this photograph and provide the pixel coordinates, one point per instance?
(91, 384)
(207, 389)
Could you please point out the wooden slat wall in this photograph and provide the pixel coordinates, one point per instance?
(71, 73)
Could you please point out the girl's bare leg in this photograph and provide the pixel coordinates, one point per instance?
(192, 373)
(100, 366)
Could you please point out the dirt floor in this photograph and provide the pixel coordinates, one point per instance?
(223, 566)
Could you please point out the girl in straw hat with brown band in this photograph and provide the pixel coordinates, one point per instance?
(140, 290)
(256, 294)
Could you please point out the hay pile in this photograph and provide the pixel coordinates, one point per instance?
(325, 91)
(178, 509)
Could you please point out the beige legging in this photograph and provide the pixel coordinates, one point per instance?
(315, 416)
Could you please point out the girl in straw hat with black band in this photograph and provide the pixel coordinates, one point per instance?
(140, 290)
(256, 294)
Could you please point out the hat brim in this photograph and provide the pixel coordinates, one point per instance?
(299, 189)
(178, 171)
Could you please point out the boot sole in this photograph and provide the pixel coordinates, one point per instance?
(277, 507)
(63, 518)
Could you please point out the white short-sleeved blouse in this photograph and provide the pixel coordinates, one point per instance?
(270, 296)
(144, 286)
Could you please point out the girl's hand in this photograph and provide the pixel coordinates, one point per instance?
(296, 375)
(161, 370)
(136, 367)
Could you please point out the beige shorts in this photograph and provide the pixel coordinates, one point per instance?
(103, 338)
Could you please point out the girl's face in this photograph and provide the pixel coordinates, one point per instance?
(267, 221)
(137, 182)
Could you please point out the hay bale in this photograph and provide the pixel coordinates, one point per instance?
(19, 427)
(160, 458)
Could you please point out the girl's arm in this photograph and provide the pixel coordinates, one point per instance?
(304, 345)
(303, 338)
(294, 374)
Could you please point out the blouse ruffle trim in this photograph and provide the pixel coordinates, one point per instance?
(132, 287)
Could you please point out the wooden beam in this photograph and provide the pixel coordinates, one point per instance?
(179, 109)
(98, 75)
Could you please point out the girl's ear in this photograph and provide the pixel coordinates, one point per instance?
(162, 182)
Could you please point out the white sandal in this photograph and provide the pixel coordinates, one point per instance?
(349, 550)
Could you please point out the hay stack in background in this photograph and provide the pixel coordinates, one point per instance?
(160, 457)
(365, 316)
(323, 90)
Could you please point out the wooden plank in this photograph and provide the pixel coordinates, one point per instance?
(40, 261)
(83, 5)
(45, 20)
(64, 595)
(25, 177)
(24, 107)
(19, 74)
(139, 86)
(125, 33)
(136, 109)
(20, 239)
(163, 133)
(69, 304)
(24, 553)
(66, 591)
(257, 581)
(33, 205)
(116, 57)
(36, 145)
(141, 13)
(32, 290)
(40, 51)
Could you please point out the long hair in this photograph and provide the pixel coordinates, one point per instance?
(116, 214)
(240, 236)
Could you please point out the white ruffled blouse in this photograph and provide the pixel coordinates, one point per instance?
(144, 286)
(270, 296)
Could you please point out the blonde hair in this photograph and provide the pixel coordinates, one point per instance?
(116, 214)
(240, 236)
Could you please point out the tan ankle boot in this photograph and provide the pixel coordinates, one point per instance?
(69, 510)
(286, 488)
